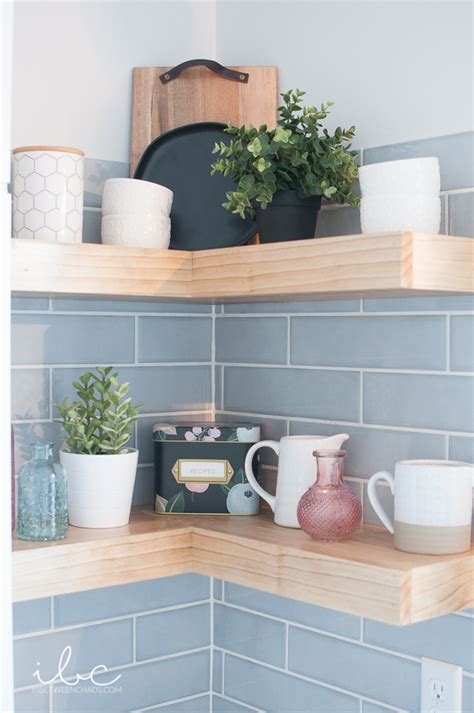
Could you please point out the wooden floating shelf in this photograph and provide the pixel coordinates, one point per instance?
(387, 265)
(364, 576)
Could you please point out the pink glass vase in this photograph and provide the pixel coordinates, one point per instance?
(329, 510)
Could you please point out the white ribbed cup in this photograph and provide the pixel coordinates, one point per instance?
(130, 196)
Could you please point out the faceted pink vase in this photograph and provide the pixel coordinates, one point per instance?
(329, 510)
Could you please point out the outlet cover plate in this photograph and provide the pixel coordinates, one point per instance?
(441, 687)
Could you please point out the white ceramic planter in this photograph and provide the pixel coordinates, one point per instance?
(414, 176)
(125, 196)
(147, 231)
(100, 488)
(48, 192)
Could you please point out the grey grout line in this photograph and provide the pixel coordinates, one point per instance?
(222, 386)
(123, 617)
(213, 364)
(117, 365)
(354, 369)
(288, 340)
(445, 200)
(325, 632)
(448, 343)
(135, 340)
(134, 638)
(211, 636)
(154, 706)
(145, 414)
(324, 684)
(349, 424)
(50, 393)
(249, 315)
(110, 313)
(361, 398)
(240, 703)
(359, 313)
(131, 664)
(51, 612)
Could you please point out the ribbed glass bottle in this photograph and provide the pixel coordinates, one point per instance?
(42, 497)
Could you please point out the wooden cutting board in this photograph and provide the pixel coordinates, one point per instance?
(198, 94)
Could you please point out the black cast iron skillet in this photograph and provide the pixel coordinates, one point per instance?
(181, 159)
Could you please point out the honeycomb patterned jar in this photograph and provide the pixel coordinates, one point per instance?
(329, 510)
(48, 192)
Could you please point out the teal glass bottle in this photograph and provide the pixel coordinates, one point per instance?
(42, 497)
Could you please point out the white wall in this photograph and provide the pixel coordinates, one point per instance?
(73, 66)
(398, 70)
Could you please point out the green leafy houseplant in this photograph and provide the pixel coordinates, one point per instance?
(299, 154)
(101, 421)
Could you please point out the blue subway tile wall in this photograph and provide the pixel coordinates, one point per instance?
(396, 375)
(166, 356)
(154, 635)
(315, 367)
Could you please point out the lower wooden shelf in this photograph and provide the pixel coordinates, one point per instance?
(365, 576)
(387, 265)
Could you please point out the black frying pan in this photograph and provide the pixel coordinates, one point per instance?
(181, 159)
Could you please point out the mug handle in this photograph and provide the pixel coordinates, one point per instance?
(374, 500)
(274, 445)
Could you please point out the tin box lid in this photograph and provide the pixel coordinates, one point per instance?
(207, 431)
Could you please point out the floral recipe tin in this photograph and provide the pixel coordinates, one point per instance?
(199, 468)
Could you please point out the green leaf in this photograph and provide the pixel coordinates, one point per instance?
(225, 489)
(176, 503)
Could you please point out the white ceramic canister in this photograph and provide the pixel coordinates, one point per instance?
(48, 193)
(433, 505)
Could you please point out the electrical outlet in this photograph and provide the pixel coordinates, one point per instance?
(441, 687)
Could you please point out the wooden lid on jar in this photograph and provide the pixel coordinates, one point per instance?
(61, 149)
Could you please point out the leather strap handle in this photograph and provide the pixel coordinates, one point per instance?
(225, 72)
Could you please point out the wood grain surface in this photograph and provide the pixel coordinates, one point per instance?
(198, 95)
(365, 575)
(385, 265)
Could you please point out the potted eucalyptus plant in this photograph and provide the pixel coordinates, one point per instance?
(282, 174)
(100, 468)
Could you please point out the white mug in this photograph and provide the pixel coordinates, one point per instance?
(433, 505)
(296, 472)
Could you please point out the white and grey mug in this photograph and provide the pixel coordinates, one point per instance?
(433, 505)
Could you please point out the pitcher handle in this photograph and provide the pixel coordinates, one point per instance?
(275, 446)
(374, 499)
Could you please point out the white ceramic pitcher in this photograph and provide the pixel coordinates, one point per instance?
(296, 471)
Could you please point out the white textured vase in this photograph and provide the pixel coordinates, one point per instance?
(386, 214)
(100, 488)
(48, 193)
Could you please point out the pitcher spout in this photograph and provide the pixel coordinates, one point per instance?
(335, 442)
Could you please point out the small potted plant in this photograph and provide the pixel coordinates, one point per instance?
(282, 174)
(100, 468)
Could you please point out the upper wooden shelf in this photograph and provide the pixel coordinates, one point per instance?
(388, 265)
(365, 575)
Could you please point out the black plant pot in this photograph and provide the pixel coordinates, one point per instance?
(288, 217)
